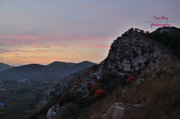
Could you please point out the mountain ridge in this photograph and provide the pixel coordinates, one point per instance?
(4, 67)
(43, 71)
(133, 58)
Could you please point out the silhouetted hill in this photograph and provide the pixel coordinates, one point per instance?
(54, 71)
(4, 67)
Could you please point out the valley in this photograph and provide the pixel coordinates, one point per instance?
(21, 96)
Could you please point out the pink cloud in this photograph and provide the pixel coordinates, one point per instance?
(62, 40)
(19, 37)
(15, 42)
(102, 46)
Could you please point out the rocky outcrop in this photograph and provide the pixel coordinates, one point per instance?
(134, 54)
(117, 110)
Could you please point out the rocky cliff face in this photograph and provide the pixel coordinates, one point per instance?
(134, 54)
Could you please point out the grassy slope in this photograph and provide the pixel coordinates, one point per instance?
(160, 94)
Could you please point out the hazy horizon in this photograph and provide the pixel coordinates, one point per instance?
(47, 63)
(41, 31)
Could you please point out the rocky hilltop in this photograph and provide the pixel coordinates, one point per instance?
(133, 58)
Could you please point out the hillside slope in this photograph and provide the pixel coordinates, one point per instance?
(154, 98)
(23, 87)
(133, 58)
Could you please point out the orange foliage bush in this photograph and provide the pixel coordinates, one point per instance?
(56, 117)
(130, 79)
(99, 93)
(62, 96)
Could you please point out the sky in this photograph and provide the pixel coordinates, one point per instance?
(43, 31)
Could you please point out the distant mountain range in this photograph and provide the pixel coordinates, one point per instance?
(4, 67)
(54, 71)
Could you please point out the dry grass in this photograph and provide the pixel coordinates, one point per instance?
(161, 96)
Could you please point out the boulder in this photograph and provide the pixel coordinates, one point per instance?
(115, 111)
